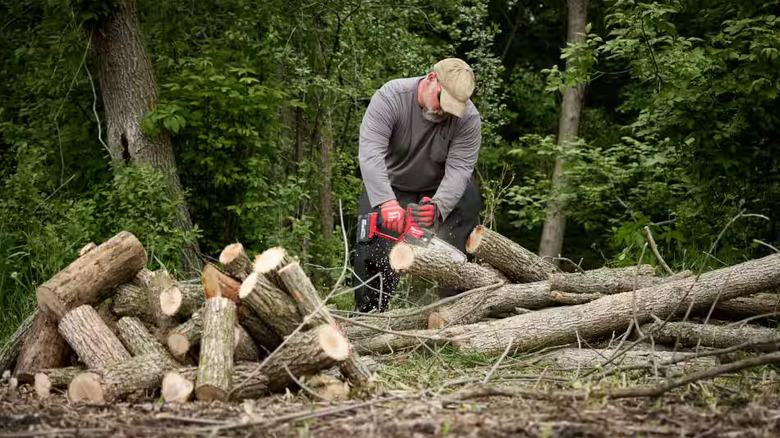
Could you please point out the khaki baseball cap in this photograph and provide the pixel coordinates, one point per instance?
(457, 84)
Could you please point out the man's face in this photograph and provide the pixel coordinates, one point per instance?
(432, 111)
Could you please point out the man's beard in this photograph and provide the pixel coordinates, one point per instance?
(434, 116)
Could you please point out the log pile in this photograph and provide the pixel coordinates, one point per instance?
(515, 301)
(250, 327)
(240, 331)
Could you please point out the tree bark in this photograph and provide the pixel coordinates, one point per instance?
(715, 336)
(247, 381)
(216, 350)
(607, 281)
(746, 307)
(568, 126)
(326, 174)
(235, 261)
(511, 259)
(43, 347)
(562, 325)
(245, 349)
(129, 90)
(10, 350)
(265, 337)
(575, 358)
(139, 342)
(439, 266)
(91, 338)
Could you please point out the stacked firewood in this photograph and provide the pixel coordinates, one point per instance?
(241, 331)
(515, 301)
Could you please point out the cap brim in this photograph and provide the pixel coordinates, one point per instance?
(451, 105)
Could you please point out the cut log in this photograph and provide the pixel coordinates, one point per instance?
(575, 358)
(306, 353)
(10, 350)
(439, 266)
(309, 303)
(112, 383)
(270, 261)
(513, 260)
(235, 261)
(140, 342)
(216, 350)
(715, 336)
(157, 285)
(265, 337)
(562, 325)
(132, 299)
(245, 349)
(112, 263)
(104, 268)
(218, 284)
(175, 388)
(185, 336)
(274, 306)
(248, 381)
(91, 338)
(182, 300)
(746, 307)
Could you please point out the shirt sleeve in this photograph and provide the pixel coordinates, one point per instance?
(461, 159)
(375, 131)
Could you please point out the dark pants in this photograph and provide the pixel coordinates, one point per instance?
(372, 257)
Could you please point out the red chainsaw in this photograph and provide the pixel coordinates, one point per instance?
(370, 226)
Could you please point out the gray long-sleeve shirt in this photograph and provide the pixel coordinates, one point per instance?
(399, 148)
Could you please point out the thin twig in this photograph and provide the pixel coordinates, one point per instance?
(301, 385)
(498, 362)
(656, 252)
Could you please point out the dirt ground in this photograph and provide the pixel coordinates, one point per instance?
(397, 415)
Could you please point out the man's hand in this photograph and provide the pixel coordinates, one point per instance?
(393, 216)
(426, 214)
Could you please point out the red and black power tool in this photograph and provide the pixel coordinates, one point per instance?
(370, 226)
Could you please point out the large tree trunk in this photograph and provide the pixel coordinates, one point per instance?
(129, 91)
(326, 177)
(568, 126)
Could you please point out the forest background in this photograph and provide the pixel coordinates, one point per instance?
(261, 102)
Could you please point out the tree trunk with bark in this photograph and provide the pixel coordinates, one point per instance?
(715, 336)
(216, 350)
(235, 261)
(129, 90)
(93, 341)
(568, 126)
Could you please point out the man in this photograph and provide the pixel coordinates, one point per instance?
(419, 142)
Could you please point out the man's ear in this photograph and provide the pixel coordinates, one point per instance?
(430, 76)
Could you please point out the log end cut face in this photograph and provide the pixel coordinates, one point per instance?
(175, 388)
(170, 300)
(231, 253)
(474, 239)
(86, 387)
(247, 286)
(270, 259)
(334, 343)
(401, 257)
(178, 344)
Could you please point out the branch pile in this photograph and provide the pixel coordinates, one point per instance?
(242, 331)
